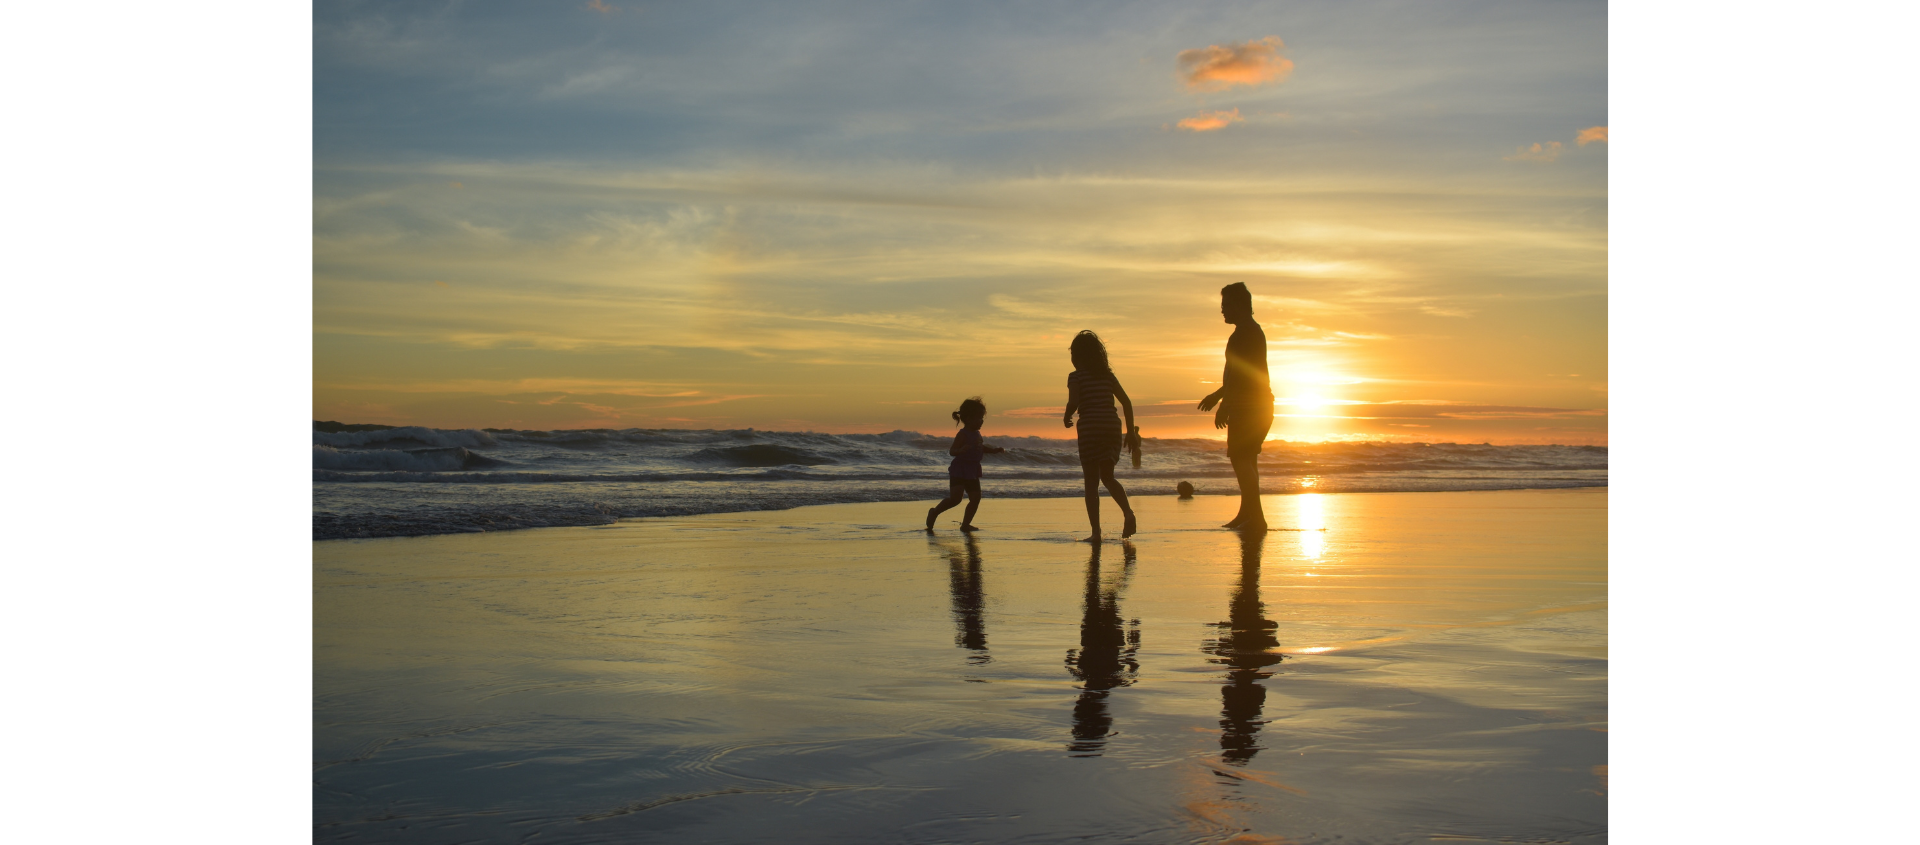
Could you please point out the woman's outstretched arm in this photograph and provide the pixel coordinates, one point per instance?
(1220, 417)
(1214, 398)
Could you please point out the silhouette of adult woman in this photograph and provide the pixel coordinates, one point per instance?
(1105, 659)
(1246, 403)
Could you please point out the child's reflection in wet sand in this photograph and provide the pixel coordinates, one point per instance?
(1105, 659)
(1242, 645)
(969, 597)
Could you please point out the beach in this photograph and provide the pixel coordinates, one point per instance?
(1380, 667)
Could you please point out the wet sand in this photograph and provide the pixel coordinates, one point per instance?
(1384, 667)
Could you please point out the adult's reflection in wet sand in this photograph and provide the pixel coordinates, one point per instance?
(1242, 646)
(969, 598)
(1105, 659)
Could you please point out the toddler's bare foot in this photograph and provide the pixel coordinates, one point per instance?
(1130, 526)
(1093, 539)
(967, 527)
(1256, 523)
(931, 513)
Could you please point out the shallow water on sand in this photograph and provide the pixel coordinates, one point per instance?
(1384, 668)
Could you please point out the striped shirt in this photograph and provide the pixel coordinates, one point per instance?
(1093, 392)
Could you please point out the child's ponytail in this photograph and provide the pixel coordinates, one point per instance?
(972, 403)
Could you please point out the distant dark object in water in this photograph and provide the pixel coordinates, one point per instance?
(1186, 489)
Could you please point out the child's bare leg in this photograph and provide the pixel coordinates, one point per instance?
(973, 504)
(1092, 477)
(946, 504)
(1120, 498)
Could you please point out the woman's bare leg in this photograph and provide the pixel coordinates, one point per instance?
(1252, 517)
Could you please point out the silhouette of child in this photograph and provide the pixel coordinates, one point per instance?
(1091, 389)
(963, 475)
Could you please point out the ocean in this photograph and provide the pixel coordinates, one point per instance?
(386, 481)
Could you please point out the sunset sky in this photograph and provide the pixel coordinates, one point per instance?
(848, 217)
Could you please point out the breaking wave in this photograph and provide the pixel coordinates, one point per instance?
(447, 459)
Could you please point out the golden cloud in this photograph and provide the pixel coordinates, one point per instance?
(1218, 67)
(1591, 134)
(1538, 152)
(1207, 121)
(601, 7)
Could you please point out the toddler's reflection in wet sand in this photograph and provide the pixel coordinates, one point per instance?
(1105, 659)
(1242, 645)
(969, 597)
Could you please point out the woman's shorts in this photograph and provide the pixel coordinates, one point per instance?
(1247, 433)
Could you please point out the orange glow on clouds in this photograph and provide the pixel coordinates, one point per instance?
(1548, 152)
(1218, 67)
(1592, 134)
(1207, 121)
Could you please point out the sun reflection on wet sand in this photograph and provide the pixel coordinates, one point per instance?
(1310, 513)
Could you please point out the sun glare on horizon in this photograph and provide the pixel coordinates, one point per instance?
(567, 231)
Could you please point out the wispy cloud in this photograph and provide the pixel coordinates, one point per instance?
(595, 387)
(1037, 411)
(1218, 67)
(1442, 409)
(601, 7)
(1549, 151)
(1207, 121)
(706, 277)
